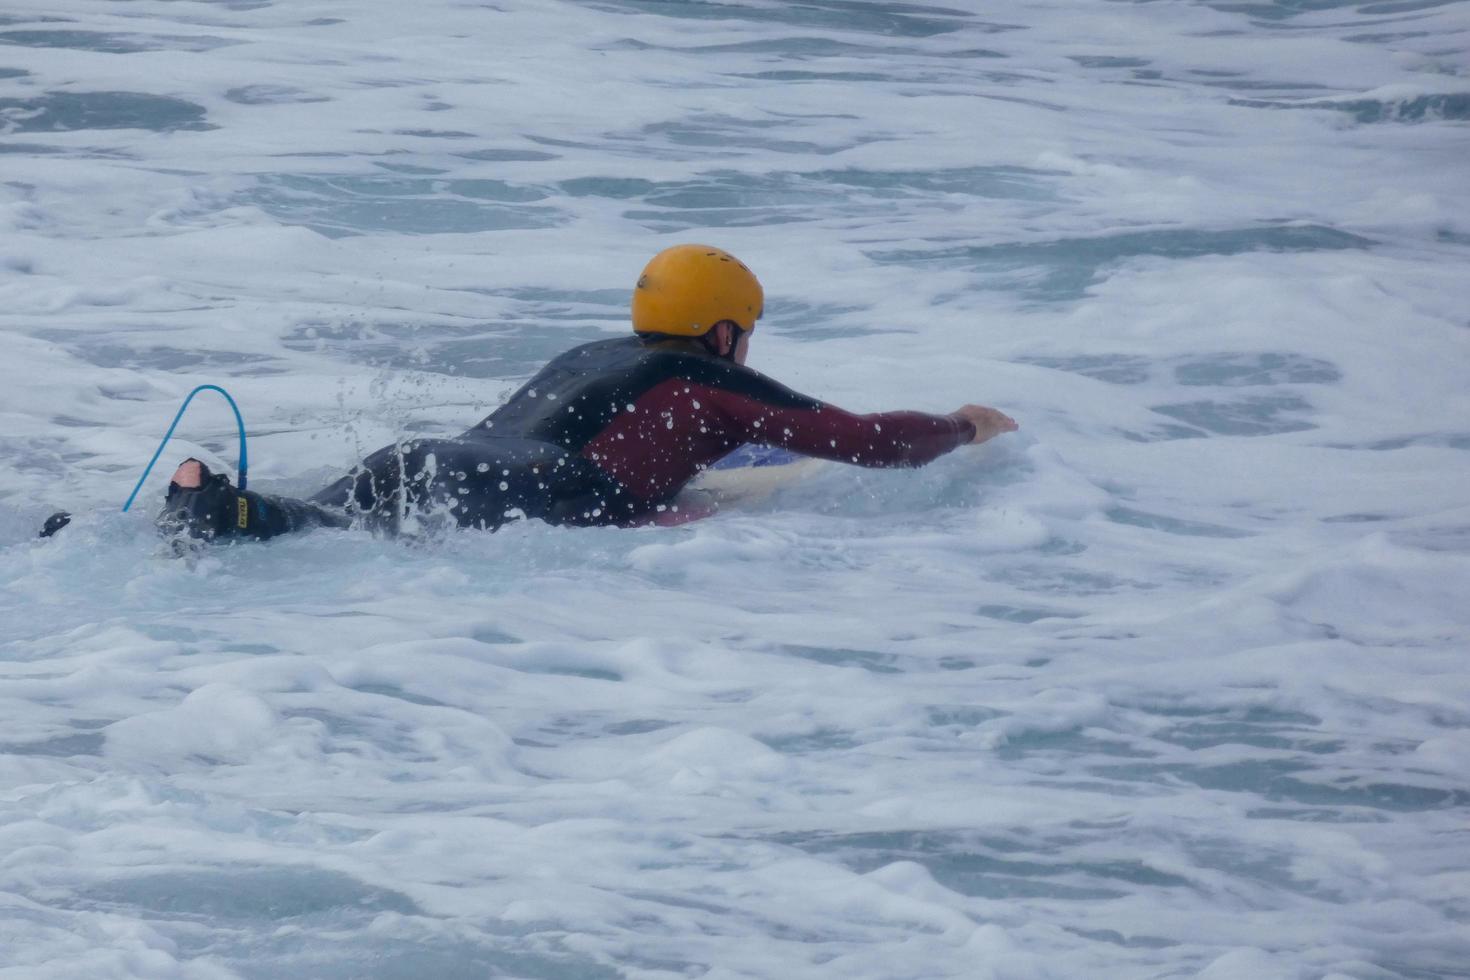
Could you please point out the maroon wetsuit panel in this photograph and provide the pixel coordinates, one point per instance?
(680, 426)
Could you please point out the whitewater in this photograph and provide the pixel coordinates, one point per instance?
(1170, 683)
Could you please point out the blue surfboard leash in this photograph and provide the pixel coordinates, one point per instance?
(239, 422)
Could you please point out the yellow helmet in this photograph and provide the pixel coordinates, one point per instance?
(686, 289)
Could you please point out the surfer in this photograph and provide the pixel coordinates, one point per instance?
(606, 433)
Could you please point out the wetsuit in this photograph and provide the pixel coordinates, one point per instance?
(606, 433)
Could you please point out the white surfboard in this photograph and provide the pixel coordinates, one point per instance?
(752, 473)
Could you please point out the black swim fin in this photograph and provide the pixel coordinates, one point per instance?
(55, 523)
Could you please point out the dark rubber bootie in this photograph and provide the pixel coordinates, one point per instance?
(201, 504)
(55, 523)
(205, 506)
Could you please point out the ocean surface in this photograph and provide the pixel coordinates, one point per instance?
(1170, 683)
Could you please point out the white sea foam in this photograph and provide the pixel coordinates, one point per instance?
(1169, 683)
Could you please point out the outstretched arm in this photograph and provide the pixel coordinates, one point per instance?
(880, 439)
(752, 407)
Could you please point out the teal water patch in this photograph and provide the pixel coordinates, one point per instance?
(1022, 614)
(412, 169)
(1063, 269)
(885, 19)
(342, 205)
(511, 348)
(1313, 814)
(399, 694)
(638, 726)
(1447, 538)
(1173, 525)
(799, 48)
(29, 149)
(1059, 580)
(1264, 85)
(1452, 106)
(730, 217)
(1385, 37)
(879, 63)
(1108, 61)
(910, 68)
(869, 660)
(1116, 938)
(220, 895)
(986, 867)
(1278, 10)
(79, 153)
(1287, 780)
(567, 670)
(39, 457)
(1118, 369)
(1001, 183)
(343, 730)
(397, 949)
(160, 358)
(731, 136)
(1263, 864)
(439, 134)
(959, 715)
(820, 740)
(1441, 440)
(820, 321)
(1208, 735)
(67, 111)
(112, 43)
(271, 95)
(60, 747)
(728, 198)
(793, 75)
(1259, 415)
(507, 155)
(551, 302)
(1259, 726)
(267, 923)
(1256, 369)
(329, 956)
(1403, 6)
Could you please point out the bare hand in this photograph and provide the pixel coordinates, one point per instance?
(988, 422)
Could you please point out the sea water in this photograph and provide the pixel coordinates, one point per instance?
(1170, 683)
